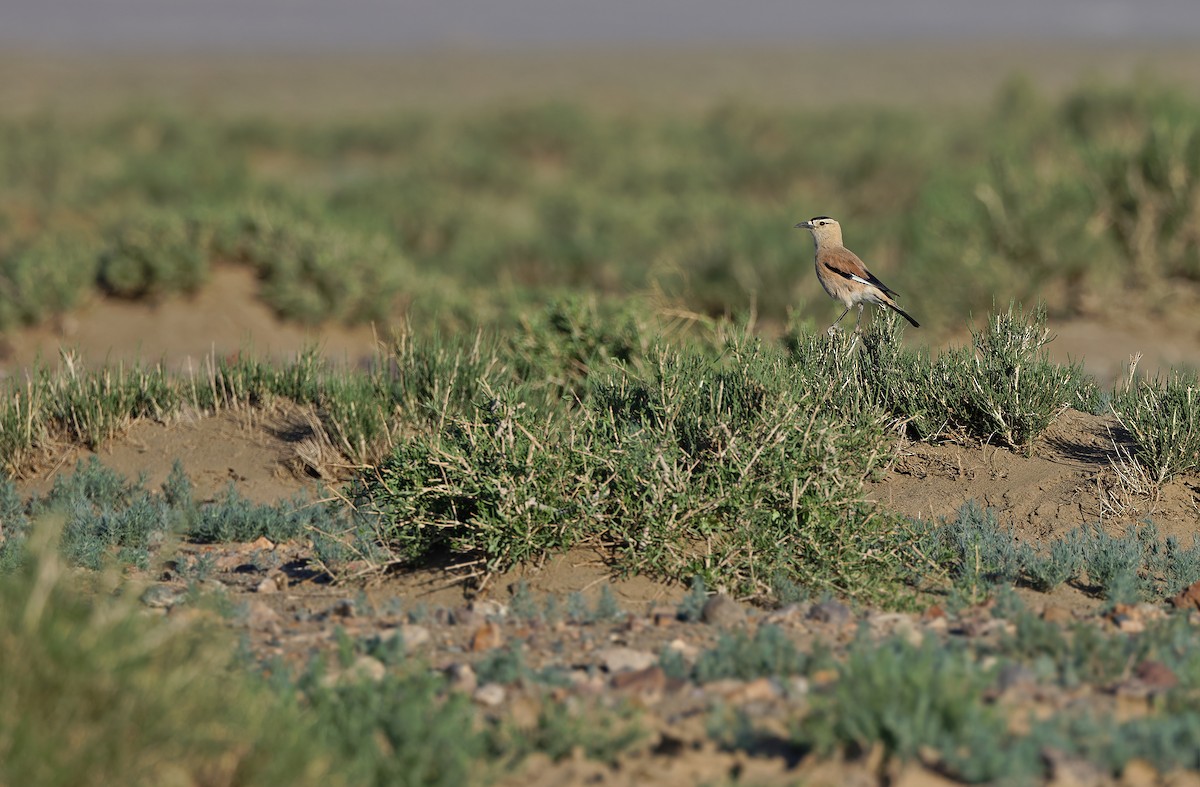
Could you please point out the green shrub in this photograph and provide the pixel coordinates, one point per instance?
(1163, 417)
(907, 697)
(769, 652)
(153, 253)
(47, 277)
(122, 698)
(702, 463)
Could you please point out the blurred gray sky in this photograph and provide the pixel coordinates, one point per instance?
(339, 24)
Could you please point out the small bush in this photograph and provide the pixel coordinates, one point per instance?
(1164, 418)
(769, 652)
(121, 698)
(44, 278)
(906, 697)
(151, 254)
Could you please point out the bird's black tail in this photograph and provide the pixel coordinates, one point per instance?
(904, 314)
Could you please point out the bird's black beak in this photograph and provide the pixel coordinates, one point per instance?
(804, 225)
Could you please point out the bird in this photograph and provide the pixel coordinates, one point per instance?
(843, 274)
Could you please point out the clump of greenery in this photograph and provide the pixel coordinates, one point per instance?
(311, 273)
(44, 277)
(122, 698)
(981, 556)
(600, 733)
(981, 552)
(907, 697)
(153, 253)
(1002, 388)
(1061, 562)
(470, 217)
(734, 462)
(1164, 418)
(768, 652)
(401, 730)
(106, 517)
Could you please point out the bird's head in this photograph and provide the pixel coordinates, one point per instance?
(825, 231)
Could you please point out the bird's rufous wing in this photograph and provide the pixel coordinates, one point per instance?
(846, 264)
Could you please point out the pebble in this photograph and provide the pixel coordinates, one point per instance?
(261, 617)
(364, 668)
(648, 684)
(161, 596)
(490, 695)
(721, 610)
(1188, 598)
(413, 635)
(272, 584)
(689, 651)
(830, 612)
(1053, 613)
(1155, 675)
(462, 678)
(487, 637)
(619, 659)
(489, 608)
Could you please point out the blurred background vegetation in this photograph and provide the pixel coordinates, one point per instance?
(476, 216)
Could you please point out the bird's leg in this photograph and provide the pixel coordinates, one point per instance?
(833, 328)
(858, 322)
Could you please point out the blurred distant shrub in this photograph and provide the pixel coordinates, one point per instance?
(468, 218)
(43, 278)
(151, 253)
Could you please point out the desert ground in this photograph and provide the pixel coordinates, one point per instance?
(289, 609)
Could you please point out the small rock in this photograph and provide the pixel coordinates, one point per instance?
(1053, 613)
(271, 584)
(790, 613)
(487, 637)
(161, 596)
(664, 616)
(933, 612)
(897, 623)
(1155, 675)
(261, 617)
(797, 686)
(489, 608)
(1129, 625)
(619, 659)
(413, 635)
(689, 651)
(824, 677)
(261, 543)
(1149, 611)
(586, 681)
(830, 612)
(938, 625)
(524, 712)
(463, 616)
(758, 690)
(721, 610)
(342, 609)
(462, 678)
(364, 668)
(1188, 598)
(490, 695)
(648, 683)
